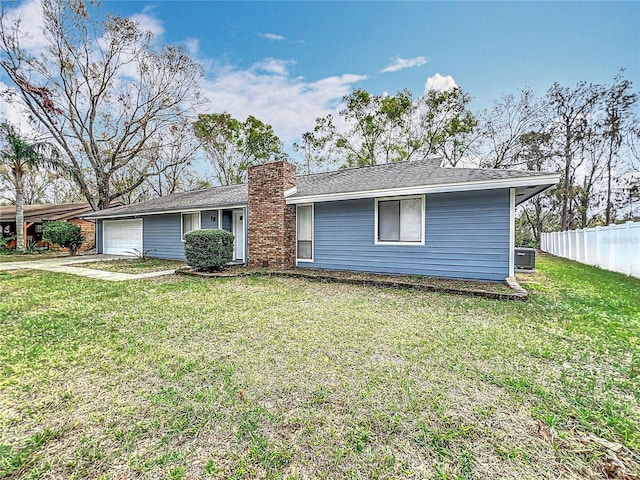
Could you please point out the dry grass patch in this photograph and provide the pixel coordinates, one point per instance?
(24, 257)
(262, 377)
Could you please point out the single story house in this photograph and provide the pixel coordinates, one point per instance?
(36, 215)
(414, 217)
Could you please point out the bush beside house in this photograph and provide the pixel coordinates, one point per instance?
(208, 249)
(64, 234)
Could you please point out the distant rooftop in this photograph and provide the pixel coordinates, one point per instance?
(46, 211)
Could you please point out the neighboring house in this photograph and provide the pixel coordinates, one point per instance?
(36, 215)
(405, 218)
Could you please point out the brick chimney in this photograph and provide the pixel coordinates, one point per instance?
(271, 222)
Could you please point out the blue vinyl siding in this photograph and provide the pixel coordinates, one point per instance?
(209, 220)
(161, 234)
(466, 237)
(99, 236)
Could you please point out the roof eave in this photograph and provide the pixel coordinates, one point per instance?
(216, 206)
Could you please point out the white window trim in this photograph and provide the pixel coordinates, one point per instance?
(313, 240)
(422, 216)
(182, 222)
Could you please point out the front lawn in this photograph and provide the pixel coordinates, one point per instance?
(133, 265)
(13, 256)
(263, 377)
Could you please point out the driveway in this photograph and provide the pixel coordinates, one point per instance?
(65, 265)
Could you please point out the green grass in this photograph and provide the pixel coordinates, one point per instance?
(260, 377)
(133, 265)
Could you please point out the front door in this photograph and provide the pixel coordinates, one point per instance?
(238, 232)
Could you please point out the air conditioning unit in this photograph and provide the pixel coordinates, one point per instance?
(525, 259)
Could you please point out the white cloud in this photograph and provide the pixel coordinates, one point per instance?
(273, 66)
(439, 82)
(192, 46)
(14, 110)
(402, 63)
(267, 91)
(29, 14)
(272, 36)
(148, 23)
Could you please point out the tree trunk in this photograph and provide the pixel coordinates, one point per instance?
(104, 198)
(567, 173)
(19, 212)
(608, 214)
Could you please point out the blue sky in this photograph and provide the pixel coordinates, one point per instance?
(290, 62)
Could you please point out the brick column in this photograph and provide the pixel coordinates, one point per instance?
(271, 222)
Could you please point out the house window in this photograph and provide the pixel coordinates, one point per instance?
(190, 221)
(400, 220)
(304, 233)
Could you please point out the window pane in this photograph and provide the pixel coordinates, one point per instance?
(304, 223)
(189, 222)
(389, 221)
(410, 220)
(186, 224)
(304, 250)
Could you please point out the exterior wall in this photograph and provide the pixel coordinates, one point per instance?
(466, 237)
(161, 234)
(99, 236)
(271, 222)
(88, 229)
(209, 219)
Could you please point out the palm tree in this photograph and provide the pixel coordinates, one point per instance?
(20, 155)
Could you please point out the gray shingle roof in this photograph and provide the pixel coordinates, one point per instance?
(381, 177)
(216, 197)
(399, 175)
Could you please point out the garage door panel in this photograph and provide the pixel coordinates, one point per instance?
(121, 237)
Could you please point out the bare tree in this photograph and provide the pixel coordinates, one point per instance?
(571, 108)
(618, 103)
(503, 127)
(103, 91)
(169, 160)
(39, 186)
(592, 163)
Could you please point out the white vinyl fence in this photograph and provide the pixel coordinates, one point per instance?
(616, 247)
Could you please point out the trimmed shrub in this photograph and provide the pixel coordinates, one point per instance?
(63, 234)
(208, 249)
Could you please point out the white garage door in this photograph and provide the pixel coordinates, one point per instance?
(120, 237)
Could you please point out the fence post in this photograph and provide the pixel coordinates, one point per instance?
(627, 234)
(597, 247)
(612, 247)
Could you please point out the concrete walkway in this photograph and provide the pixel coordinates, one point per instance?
(65, 265)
